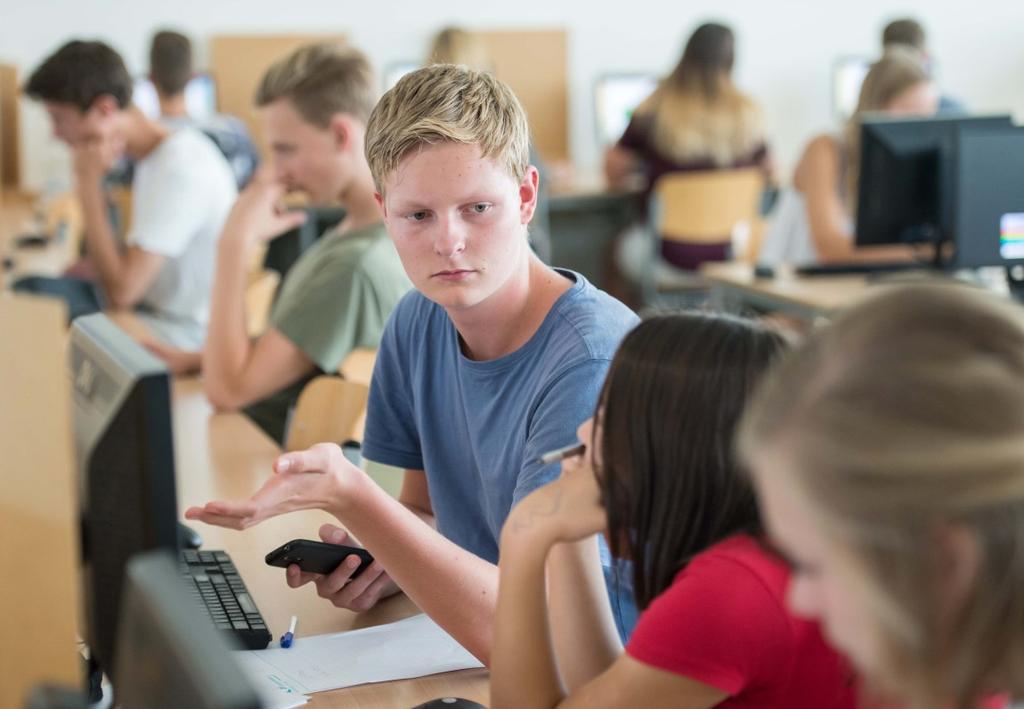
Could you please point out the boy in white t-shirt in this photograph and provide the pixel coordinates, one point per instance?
(182, 192)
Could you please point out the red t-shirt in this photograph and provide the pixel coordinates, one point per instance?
(723, 622)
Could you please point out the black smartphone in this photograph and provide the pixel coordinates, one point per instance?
(317, 557)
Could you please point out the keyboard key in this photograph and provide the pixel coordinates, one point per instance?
(245, 601)
(240, 625)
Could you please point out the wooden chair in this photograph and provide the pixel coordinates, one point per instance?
(698, 208)
(358, 365)
(259, 296)
(329, 409)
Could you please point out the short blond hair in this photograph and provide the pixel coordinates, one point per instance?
(445, 103)
(321, 80)
(902, 417)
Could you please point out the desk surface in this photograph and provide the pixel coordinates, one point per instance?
(811, 295)
(17, 217)
(222, 456)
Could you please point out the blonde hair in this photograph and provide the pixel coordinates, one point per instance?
(902, 418)
(899, 69)
(445, 103)
(454, 45)
(321, 80)
(697, 112)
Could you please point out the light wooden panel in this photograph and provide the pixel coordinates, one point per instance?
(39, 594)
(535, 64)
(10, 156)
(238, 62)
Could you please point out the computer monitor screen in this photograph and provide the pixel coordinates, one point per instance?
(847, 76)
(990, 198)
(125, 460)
(200, 97)
(168, 655)
(616, 97)
(396, 71)
(907, 180)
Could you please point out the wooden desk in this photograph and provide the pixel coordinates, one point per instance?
(734, 288)
(17, 212)
(225, 456)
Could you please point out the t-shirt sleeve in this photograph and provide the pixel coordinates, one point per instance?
(567, 402)
(325, 315)
(170, 205)
(391, 436)
(717, 624)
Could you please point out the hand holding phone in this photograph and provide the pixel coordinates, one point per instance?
(317, 557)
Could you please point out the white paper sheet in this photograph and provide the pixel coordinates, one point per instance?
(414, 647)
(274, 691)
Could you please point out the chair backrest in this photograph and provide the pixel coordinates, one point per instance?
(705, 207)
(329, 409)
(358, 365)
(259, 296)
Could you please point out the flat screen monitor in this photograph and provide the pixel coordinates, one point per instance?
(169, 656)
(990, 198)
(125, 462)
(847, 76)
(200, 97)
(616, 97)
(908, 175)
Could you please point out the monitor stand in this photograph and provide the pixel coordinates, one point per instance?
(1015, 282)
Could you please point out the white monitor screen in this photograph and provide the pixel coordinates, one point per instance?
(847, 76)
(616, 97)
(200, 97)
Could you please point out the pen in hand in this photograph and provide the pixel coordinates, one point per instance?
(569, 451)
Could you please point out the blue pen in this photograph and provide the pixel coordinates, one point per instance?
(286, 639)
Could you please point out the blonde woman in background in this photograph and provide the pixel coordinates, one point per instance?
(696, 120)
(813, 221)
(888, 455)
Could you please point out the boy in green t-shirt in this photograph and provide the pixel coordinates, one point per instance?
(314, 105)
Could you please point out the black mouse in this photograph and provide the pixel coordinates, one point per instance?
(450, 703)
(188, 538)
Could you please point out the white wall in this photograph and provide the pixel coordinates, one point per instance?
(786, 47)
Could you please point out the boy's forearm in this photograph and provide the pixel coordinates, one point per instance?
(227, 346)
(99, 238)
(454, 587)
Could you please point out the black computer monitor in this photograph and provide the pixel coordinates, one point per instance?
(285, 250)
(125, 460)
(168, 656)
(907, 180)
(989, 203)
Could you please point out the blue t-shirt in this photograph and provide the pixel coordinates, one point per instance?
(478, 428)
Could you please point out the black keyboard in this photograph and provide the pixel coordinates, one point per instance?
(851, 268)
(217, 586)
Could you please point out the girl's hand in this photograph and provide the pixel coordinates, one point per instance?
(566, 510)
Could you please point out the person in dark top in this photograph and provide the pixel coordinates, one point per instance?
(695, 120)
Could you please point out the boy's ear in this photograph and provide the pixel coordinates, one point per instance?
(105, 105)
(379, 198)
(340, 130)
(528, 191)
